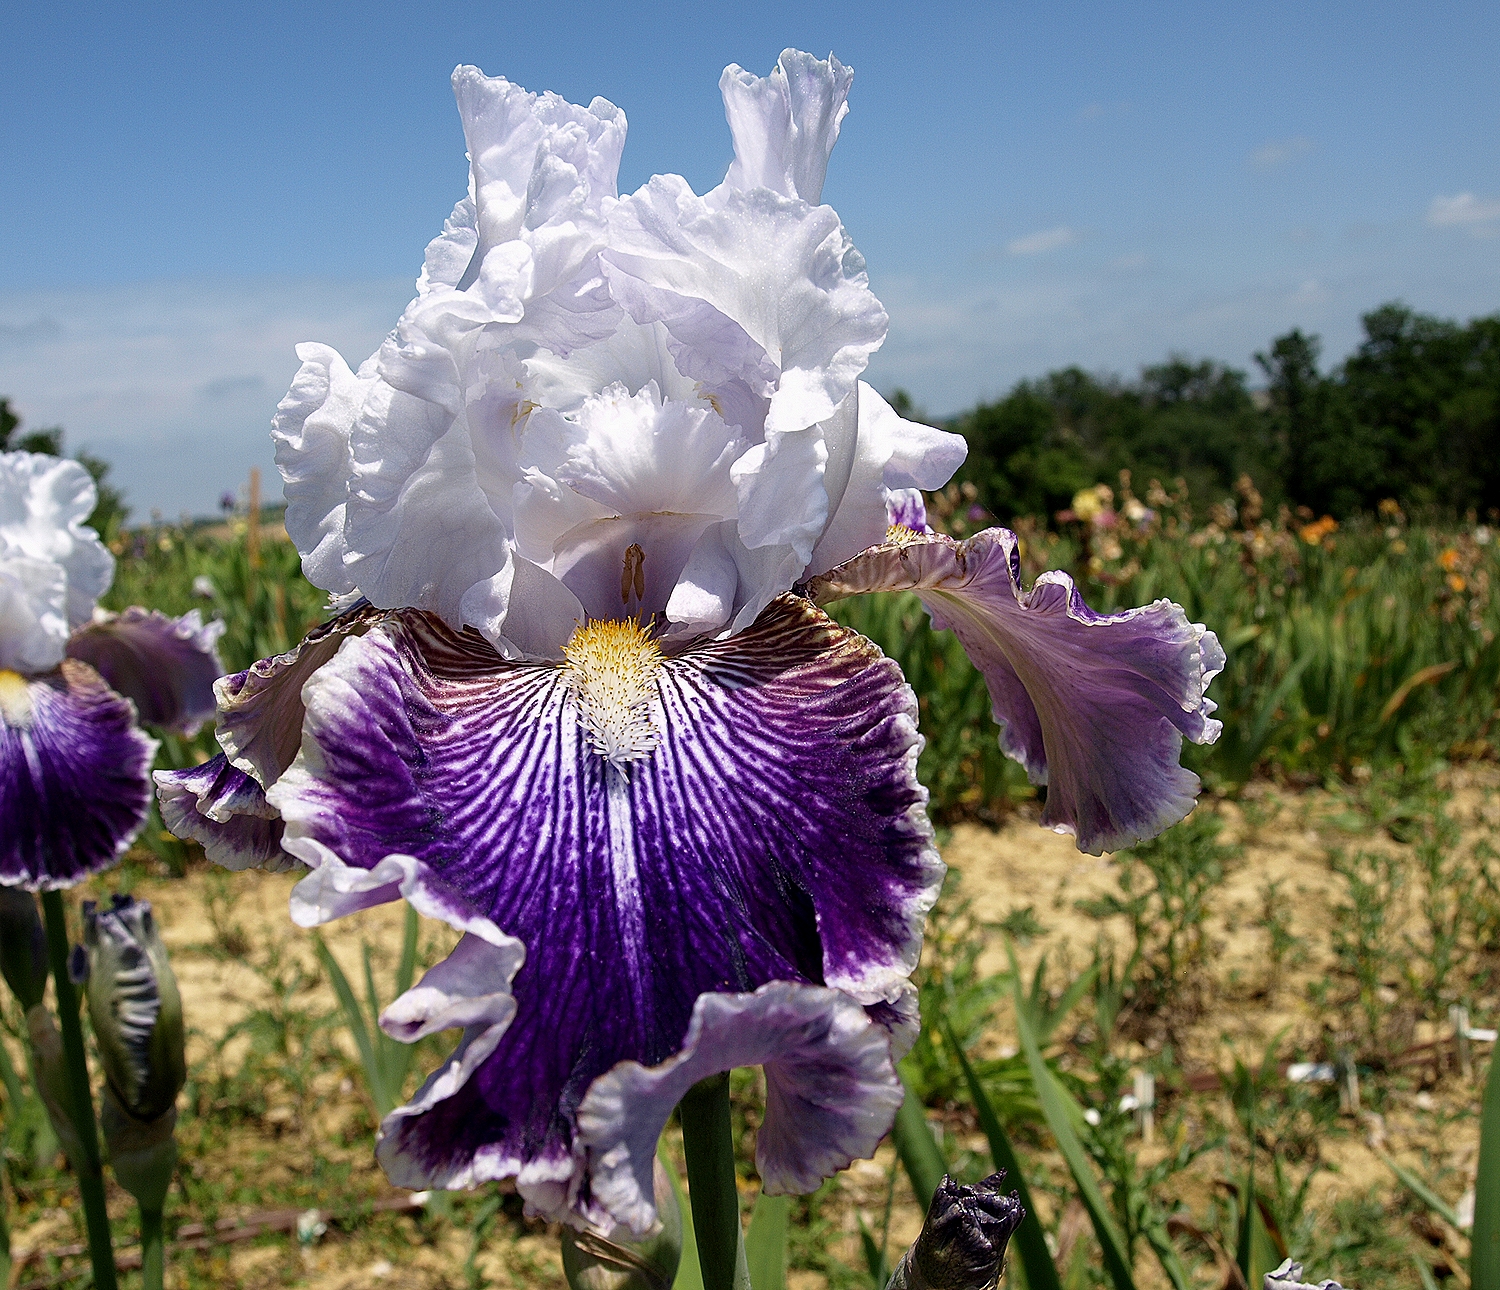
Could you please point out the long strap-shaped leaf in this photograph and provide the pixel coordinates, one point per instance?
(765, 1242)
(1030, 1240)
(919, 1151)
(1414, 1184)
(358, 1028)
(1485, 1263)
(1054, 1100)
(689, 1273)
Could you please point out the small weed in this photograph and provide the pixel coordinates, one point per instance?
(1165, 886)
(1366, 950)
(1022, 925)
(1284, 948)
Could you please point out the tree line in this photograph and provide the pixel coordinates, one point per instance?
(1413, 414)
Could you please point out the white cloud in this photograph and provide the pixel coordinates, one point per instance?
(1278, 152)
(1047, 240)
(1463, 209)
(174, 383)
(1310, 292)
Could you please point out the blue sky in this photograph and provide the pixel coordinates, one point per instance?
(189, 191)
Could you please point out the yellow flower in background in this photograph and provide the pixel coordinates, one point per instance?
(1088, 502)
(1456, 582)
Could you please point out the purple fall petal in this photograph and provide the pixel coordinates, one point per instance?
(831, 1093)
(775, 833)
(223, 808)
(165, 666)
(1095, 706)
(260, 709)
(74, 777)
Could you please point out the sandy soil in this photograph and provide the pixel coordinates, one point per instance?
(222, 928)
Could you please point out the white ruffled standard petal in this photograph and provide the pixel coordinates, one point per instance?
(311, 431)
(420, 529)
(614, 499)
(754, 287)
(33, 614)
(44, 502)
(536, 162)
(785, 124)
(399, 477)
(892, 458)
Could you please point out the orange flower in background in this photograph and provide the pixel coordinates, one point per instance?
(1449, 561)
(1456, 582)
(1314, 533)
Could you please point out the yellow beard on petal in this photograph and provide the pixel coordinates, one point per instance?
(15, 699)
(613, 665)
(901, 535)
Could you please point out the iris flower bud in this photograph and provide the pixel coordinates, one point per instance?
(137, 1017)
(23, 947)
(962, 1242)
(621, 1262)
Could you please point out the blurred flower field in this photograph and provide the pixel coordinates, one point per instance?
(1335, 896)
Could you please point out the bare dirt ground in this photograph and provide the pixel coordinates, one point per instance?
(253, 991)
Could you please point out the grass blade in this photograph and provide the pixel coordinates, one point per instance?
(689, 1272)
(1484, 1266)
(1055, 1102)
(765, 1242)
(354, 1018)
(407, 971)
(1030, 1241)
(1424, 1193)
(918, 1149)
(874, 1258)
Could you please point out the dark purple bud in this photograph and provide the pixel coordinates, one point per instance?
(962, 1243)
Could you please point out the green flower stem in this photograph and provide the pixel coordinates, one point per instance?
(90, 1169)
(153, 1257)
(708, 1144)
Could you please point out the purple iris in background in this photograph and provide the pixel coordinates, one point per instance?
(579, 512)
(74, 681)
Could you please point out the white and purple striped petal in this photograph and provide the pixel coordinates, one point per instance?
(220, 806)
(74, 776)
(831, 1093)
(773, 830)
(1095, 706)
(165, 666)
(260, 709)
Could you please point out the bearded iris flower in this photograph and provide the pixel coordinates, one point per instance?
(74, 681)
(74, 766)
(579, 513)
